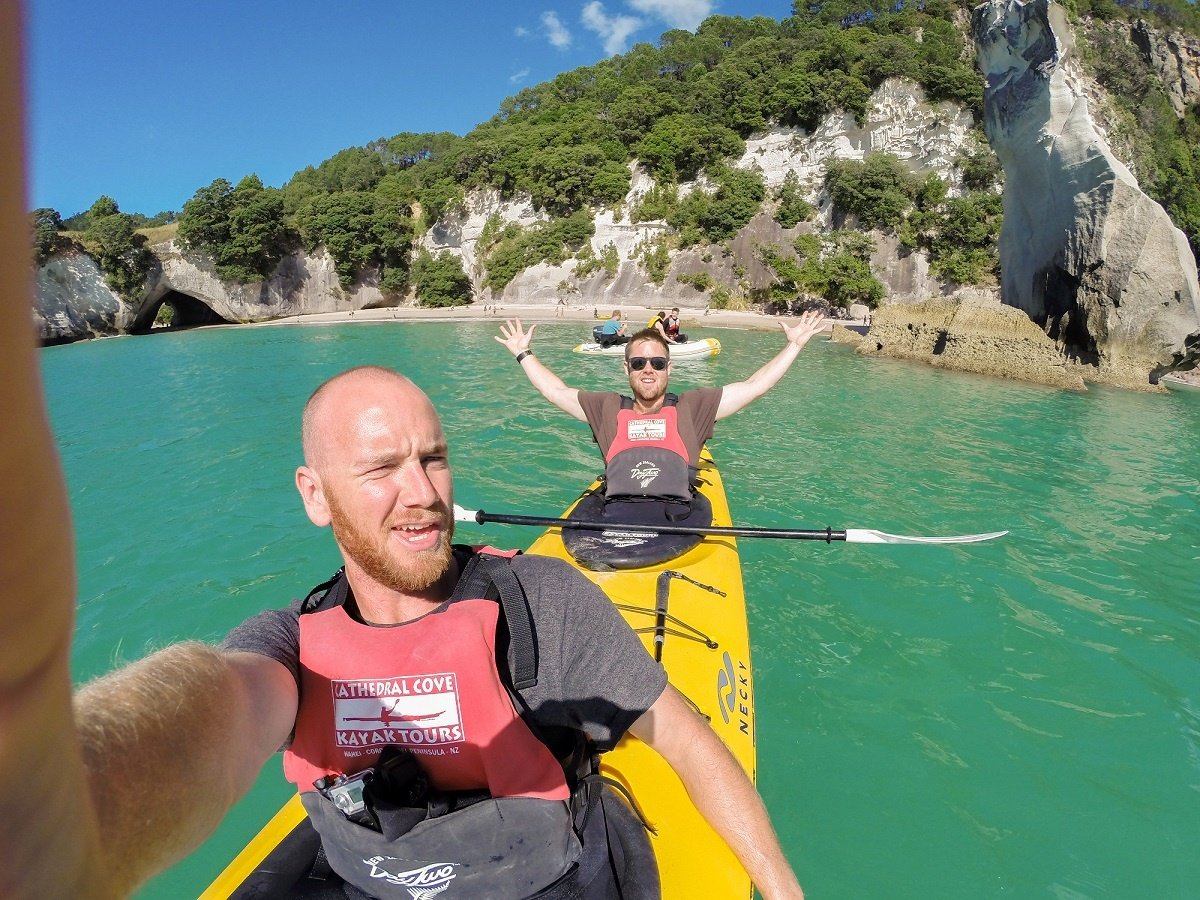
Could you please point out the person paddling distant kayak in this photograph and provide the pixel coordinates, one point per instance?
(651, 441)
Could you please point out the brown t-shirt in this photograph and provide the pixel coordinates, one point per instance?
(696, 412)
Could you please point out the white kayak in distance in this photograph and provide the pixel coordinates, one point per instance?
(687, 350)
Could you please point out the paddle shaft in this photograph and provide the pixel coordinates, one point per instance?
(796, 534)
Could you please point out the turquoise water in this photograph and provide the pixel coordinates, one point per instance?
(1013, 719)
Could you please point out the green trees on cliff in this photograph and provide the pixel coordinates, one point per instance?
(111, 238)
(959, 232)
(682, 108)
(242, 228)
(1164, 146)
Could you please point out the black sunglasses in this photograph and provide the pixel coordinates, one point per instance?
(637, 363)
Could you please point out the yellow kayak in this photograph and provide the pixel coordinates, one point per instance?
(691, 613)
(706, 651)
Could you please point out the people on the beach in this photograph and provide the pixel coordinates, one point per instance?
(653, 425)
(612, 332)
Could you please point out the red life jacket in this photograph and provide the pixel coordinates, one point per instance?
(429, 685)
(648, 458)
(432, 686)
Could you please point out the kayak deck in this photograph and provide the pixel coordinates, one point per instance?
(705, 648)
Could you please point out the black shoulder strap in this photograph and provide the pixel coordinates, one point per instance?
(492, 578)
(485, 575)
(668, 400)
(327, 593)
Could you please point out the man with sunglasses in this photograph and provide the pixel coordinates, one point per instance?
(653, 431)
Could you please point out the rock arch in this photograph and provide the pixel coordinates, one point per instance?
(189, 312)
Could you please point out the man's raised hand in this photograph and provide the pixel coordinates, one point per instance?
(514, 337)
(811, 322)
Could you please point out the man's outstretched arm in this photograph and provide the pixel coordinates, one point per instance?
(170, 743)
(721, 790)
(741, 393)
(42, 823)
(548, 384)
(94, 805)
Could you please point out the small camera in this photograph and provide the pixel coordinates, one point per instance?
(395, 780)
(346, 793)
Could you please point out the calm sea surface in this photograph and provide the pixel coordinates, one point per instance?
(1013, 719)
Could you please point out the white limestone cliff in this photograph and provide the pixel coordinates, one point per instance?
(927, 136)
(1083, 251)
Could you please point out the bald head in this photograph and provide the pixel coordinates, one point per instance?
(344, 397)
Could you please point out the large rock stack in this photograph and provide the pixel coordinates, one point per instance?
(1083, 251)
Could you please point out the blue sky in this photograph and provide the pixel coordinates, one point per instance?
(148, 102)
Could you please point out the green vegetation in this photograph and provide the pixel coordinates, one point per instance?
(879, 190)
(959, 233)
(1164, 148)
(554, 242)
(80, 221)
(242, 228)
(608, 261)
(701, 281)
(682, 108)
(45, 224)
(793, 208)
(111, 239)
(655, 257)
(440, 280)
(1169, 15)
(836, 267)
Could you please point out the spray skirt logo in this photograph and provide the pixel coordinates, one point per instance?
(644, 473)
(423, 883)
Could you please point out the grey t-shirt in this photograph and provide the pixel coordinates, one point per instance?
(696, 413)
(594, 675)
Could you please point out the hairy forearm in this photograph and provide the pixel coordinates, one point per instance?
(161, 744)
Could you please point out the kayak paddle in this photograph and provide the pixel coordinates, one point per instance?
(849, 535)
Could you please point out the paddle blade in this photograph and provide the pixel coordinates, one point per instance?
(867, 536)
(465, 515)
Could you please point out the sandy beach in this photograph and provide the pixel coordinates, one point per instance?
(635, 316)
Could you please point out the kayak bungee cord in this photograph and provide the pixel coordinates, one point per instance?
(828, 535)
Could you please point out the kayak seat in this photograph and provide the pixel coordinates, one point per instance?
(602, 551)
